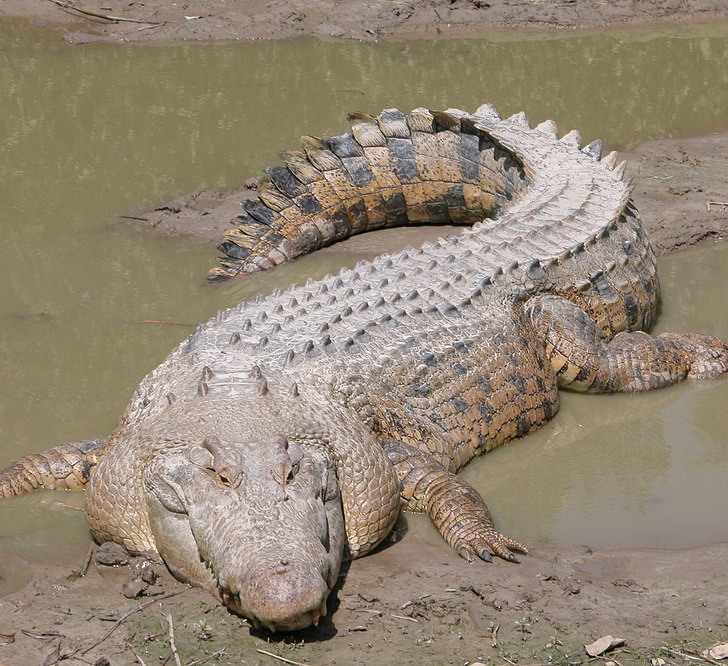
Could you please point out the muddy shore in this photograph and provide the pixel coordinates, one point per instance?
(207, 20)
(414, 601)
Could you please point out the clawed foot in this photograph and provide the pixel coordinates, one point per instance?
(483, 542)
(706, 355)
(464, 521)
(456, 508)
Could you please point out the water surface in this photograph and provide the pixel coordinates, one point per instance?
(91, 133)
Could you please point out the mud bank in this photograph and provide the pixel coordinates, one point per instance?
(208, 20)
(415, 602)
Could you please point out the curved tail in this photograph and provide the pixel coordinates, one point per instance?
(64, 467)
(395, 169)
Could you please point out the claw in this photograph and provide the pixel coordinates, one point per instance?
(466, 553)
(485, 555)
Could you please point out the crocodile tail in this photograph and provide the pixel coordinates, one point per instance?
(64, 467)
(395, 169)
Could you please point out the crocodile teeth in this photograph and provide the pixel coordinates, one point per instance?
(519, 119)
(610, 159)
(620, 169)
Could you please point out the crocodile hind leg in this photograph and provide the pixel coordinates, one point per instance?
(456, 508)
(585, 359)
(64, 467)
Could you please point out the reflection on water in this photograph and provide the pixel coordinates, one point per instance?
(94, 132)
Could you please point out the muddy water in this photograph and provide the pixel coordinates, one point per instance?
(90, 304)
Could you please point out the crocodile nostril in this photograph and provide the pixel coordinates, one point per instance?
(281, 567)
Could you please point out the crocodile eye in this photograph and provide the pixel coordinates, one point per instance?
(228, 478)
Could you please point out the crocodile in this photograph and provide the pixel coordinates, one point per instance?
(288, 432)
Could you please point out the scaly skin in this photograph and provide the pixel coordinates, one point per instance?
(285, 433)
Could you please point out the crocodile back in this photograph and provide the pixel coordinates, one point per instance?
(561, 222)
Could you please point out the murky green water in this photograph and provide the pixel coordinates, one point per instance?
(93, 132)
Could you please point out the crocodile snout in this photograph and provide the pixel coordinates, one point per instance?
(282, 596)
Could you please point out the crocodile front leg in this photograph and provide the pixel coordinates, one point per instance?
(458, 511)
(64, 467)
(585, 359)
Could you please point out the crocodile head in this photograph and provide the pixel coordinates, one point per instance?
(252, 515)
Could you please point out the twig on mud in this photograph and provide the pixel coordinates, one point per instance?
(123, 617)
(414, 601)
(87, 561)
(684, 655)
(41, 635)
(151, 27)
(405, 617)
(71, 655)
(75, 575)
(494, 636)
(134, 217)
(283, 659)
(722, 204)
(690, 657)
(105, 17)
(214, 655)
(138, 658)
(172, 645)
